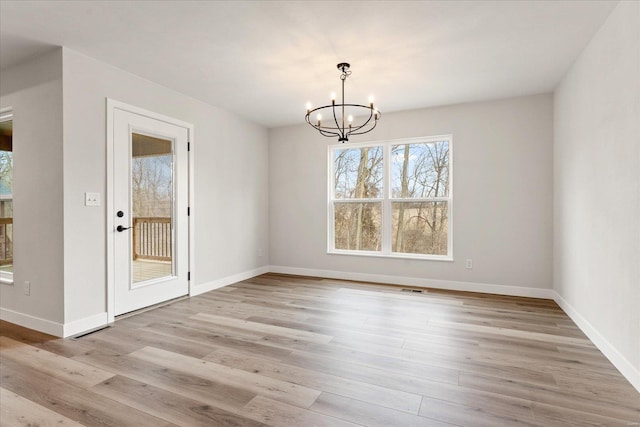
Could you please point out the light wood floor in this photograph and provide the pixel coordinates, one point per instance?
(294, 351)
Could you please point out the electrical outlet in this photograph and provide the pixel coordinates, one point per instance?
(27, 288)
(469, 263)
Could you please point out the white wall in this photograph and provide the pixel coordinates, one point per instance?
(597, 190)
(34, 90)
(59, 103)
(502, 208)
(231, 181)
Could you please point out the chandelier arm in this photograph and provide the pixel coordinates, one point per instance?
(325, 131)
(366, 131)
(357, 128)
(328, 133)
(338, 130)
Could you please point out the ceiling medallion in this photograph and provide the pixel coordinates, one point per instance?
(343, 114)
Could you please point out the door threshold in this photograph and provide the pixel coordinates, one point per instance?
(151, 307)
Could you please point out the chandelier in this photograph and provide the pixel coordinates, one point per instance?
(342, 114)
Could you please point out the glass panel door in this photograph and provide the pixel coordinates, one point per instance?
(150, 211)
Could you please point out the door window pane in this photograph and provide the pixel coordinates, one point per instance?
(152, 207)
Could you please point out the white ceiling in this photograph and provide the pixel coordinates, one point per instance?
(265, 59)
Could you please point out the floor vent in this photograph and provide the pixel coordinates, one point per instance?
(417, 291)
(89, 333)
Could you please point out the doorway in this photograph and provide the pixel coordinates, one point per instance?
(148, 205)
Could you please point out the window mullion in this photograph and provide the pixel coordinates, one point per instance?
(386, 203)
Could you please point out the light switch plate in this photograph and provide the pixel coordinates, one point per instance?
(92, 199)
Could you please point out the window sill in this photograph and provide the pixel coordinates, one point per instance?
(396, 256)
(4, 281)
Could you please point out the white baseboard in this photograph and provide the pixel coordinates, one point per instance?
(86, 324)
(630, 372)
(225, 281)
(57, 329)
(419, 282)
(32, 322)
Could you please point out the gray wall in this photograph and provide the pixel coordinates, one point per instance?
(502, 198)
(231, 172)
(34, 90)
(597, 190)
(59, 105)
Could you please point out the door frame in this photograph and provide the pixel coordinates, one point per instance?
(112, 105)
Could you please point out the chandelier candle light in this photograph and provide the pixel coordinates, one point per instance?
(344, 127)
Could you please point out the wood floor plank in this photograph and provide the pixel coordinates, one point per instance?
(127, 340)
(369, 414)
(201, 331)
(463, 415)
(216, 339)
(61, 367)
(220, 395)
(71, 401)
(169, 406)
(516, 333)
(266, 328)
(18, 333)
(552, 396)
(280, 414)
(283, 391)
(382, 396)
(67, 348)
(559, 416)
(405, 381)
(345, 333)
(15, 410)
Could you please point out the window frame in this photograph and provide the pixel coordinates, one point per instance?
(386, 200)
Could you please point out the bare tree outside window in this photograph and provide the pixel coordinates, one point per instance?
(420, 172)
(358, 177)
(152, 185)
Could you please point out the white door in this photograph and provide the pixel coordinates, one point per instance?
(150, 202)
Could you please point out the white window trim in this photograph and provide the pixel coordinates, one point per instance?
(6, 114)
(387, 200)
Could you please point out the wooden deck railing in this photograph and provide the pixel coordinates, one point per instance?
(152, 238)
(6, 241)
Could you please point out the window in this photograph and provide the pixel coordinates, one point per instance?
(6, 196)
(391, 198)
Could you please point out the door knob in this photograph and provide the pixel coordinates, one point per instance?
(121, 228)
